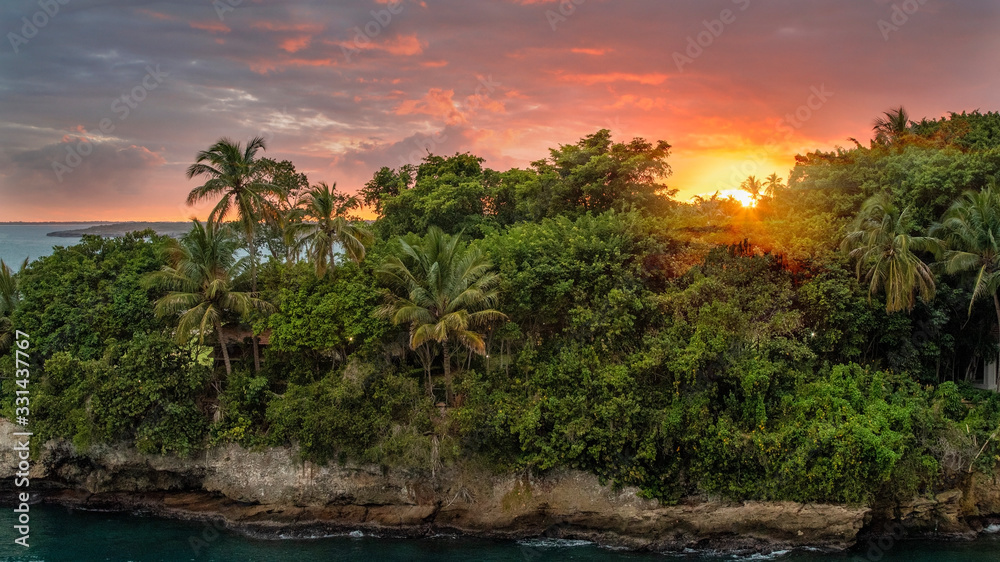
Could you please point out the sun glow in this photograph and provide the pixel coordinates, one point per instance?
(743, 197)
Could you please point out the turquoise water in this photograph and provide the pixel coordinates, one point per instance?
(19, 241)
(60, 535)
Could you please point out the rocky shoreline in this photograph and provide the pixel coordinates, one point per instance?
(747, 531)
(270, 493)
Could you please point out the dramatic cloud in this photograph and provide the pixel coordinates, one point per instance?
(341, 89)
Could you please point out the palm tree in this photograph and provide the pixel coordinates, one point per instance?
(10, 298)
(200, 281)
(882, 249)
(772, 184)
(235, 177)
(971, 230)
(443, 290)
(332, 227)
(894, 125)
(753, 186)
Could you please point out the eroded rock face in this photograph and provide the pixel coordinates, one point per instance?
(272, 491)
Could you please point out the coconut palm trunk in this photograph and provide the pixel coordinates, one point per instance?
(225, 350)
(253, 289)
(996, 308)
(199, 277)
(971, 228)
(448, 390)
(444, 292)
(235, 177)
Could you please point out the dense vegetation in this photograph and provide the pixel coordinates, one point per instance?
(816, 346)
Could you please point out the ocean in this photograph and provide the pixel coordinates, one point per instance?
(19, 241)
(61, 535)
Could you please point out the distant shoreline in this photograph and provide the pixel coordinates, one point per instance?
(43, 223)
(121, 228)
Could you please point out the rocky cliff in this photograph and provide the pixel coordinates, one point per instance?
(271, 492)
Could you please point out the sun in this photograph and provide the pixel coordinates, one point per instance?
(743, 197)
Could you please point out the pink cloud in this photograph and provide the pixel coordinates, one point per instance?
(651, 79)
(295, 44)
(211, 26)
(299, 27)
(436, 103)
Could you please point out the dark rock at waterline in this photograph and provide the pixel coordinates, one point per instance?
(270, 493)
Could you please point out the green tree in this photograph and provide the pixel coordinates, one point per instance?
(236, 177)
(330, 225)
(200, 280)
(892, 126)
(386, 184)
(10, 297)
(754, 187)
(597, 175)
(971, 230)
(882, 246)
(83, 298)
(580, 278)
(276, 234)
(447, 192)
(443, 290)
(772, 185)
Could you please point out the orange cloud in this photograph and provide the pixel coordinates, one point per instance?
(403, 45)
(157, 15)
(480, 101)
(594, 52)
(211, 26)
(295, 44)
(652, 79)
(437, 103)
(266, 66)
(638, 101)
(299, 27)
(407, 45)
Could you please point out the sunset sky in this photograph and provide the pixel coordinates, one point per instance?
(344, 89)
